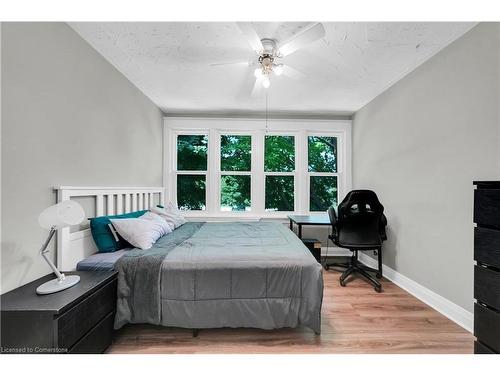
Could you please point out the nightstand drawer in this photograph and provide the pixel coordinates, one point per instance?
(98, 339)
(487, 286)
(487, 246)
(486, 203)
(487, 326)
(75, 323)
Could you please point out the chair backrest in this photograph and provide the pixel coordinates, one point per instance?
(359, 220)
(333, 217)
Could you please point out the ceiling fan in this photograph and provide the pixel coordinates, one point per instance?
(270, 53)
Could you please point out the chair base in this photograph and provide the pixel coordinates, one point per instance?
(354, 266)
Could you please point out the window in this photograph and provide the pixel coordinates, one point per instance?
(192, 162)
(322, 167)
(323, 192)
(235, 167)
(279, 168)
(191, 192)
(243, 168)
(192, 152)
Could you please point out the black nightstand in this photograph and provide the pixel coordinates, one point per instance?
(76, 320)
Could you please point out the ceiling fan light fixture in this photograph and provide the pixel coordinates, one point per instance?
(270, 52)
(278, 69)
(266, 82)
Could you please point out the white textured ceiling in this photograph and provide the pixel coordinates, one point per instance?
(352, 64)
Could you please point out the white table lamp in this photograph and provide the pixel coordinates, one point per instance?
(55, 217)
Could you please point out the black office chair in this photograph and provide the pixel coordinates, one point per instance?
(359, 226)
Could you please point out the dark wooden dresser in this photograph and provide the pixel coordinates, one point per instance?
(487, 268)
(76, 320)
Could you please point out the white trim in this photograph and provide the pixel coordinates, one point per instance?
(114, 188)
(449, 309)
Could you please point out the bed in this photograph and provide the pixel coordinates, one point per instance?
(220, 274)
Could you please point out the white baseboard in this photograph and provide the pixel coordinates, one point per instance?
(449, 309)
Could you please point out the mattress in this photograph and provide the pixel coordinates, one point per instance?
(213, 275)
(100, 261)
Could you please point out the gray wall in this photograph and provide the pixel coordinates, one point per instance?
(420, 145)
(68, 118)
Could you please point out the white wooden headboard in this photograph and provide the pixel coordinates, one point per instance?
(73, 246)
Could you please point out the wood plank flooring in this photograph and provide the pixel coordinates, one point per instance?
(355, 319)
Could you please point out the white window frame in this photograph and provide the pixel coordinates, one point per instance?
(221, 173)
(215, 127)
(176, 172)
(338, 174)
(295, 136)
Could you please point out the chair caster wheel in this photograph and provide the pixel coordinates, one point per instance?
(342, 283)
(378, 275)
(378, 289)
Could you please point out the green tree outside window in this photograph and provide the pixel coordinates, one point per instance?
(322, 154)
(235, 153)
(191, 192)
(279, 153)
(192, 152)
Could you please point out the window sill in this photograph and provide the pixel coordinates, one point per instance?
(234, 218)
(244, 216)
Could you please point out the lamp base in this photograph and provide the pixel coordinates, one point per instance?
(55, 285)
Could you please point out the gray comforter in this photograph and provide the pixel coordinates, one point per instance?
(222, 275)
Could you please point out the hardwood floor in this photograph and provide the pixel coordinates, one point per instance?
(355, 319)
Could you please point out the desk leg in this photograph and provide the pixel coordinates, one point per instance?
(300, 231)
(379, 273)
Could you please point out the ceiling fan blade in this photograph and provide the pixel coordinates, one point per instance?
(234, 63)
(247, 85)
(257, 87)
(311, 34)
(292, 72)
(251, 35)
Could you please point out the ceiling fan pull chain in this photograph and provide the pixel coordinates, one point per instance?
(267, 108)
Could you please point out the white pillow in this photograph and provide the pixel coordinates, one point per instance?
(170, 207)
(143, 231)
(170, 214)
(153, 216)
(164, 216)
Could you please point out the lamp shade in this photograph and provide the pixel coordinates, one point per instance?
(61, 215)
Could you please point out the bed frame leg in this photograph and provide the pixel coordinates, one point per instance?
(195, 332)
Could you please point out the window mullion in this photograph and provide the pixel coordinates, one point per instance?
(340, 170)
(194, 172)
(235, 173)
(213, 175)
(302, 177)
(258, 182)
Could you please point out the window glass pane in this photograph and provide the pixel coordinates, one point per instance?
(279, 153)
(191, 192)
(323, 192)
(279, 193)
(235, 193)
(235, 152)
(322, 153)
(192, 152)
